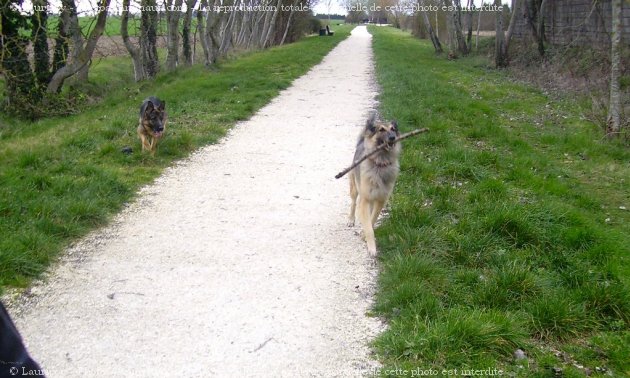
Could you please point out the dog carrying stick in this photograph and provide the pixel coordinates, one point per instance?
(379, 148)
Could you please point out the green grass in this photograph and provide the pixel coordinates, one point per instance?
(62, 177)
(505, 230)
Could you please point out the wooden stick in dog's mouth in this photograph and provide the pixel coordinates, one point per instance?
(379, 148)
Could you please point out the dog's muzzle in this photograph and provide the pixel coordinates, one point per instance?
(391, 140)
(389, 143)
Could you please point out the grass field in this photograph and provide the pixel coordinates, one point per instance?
(509, 227)
(62, 177)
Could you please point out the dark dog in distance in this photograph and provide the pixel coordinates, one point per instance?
(152, 123)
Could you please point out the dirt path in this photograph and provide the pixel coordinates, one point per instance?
(236, 262)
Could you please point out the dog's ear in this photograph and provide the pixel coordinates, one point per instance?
(162, 106)
(371, 123)
(150, 106)
(395, 125)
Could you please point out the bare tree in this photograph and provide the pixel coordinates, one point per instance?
(201, 29)
(500, 59)
(502, 44)
(455, 25)
(469, 19)
(227, 41)
(288, 25)
(60, 54)
(212, 34)
(148, 37)
(268, 34)
(262, 34)
(136, 58)
(173, 14)
(39, 37)
(614, 108)
(255, 28)
(541, 28)
(187, 50)
(32, 83)
(427, 24)
(71, 19)
(81, 56)
(478, 28)
(535, 12)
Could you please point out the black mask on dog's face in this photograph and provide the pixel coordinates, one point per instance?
(155, 118)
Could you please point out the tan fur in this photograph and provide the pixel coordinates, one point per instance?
(152, 124)
(372, 181)
(148, 140)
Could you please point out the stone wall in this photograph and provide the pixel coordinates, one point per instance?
(576, 22)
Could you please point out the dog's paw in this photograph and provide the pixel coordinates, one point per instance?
(372, 252)
(350, 223)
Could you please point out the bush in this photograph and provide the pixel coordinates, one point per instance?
(314, 25)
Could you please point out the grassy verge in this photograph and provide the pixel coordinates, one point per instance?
(509, 229)
(62, 177)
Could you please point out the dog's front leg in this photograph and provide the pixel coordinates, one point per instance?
(366, 222)
(145, 143)
(377, 206)
(152, 145)
(354, 193)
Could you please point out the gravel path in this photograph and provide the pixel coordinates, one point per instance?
(235, 262)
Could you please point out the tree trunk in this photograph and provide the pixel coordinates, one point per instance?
(531, 12)
(173, 14)
(614, 108)
(541, 28)
(39, 36)
(60, 55)
(263, 32)
(201, 28)
(288, 25)
(148, 38)
(76, 36)
(456, 24)
(437, 24)
(85, 56)
(508, 37)
(228, 33)
(434, 38)
(187, 50)
(213, 20)
(255, 28)
(500, 60)
(534, 11)
(242, 35)
(134, 52)
(478, 28)
(272, 26)
(469, 19)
